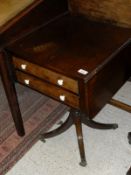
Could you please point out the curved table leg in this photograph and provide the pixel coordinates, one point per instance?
(66, 125)
(73, 118)
(77, 118)
(97, 125)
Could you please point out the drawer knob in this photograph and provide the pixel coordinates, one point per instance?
(60, 82)
(27, 82)
(62, 97)
(23, 66)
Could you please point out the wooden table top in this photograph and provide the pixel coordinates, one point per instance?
(72, 43)
(13, 10)
(10, 8)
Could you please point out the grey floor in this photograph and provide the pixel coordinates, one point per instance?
(107, 151)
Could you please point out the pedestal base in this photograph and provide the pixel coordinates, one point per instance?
(76, 117)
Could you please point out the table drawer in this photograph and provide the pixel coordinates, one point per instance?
(46, 74)
(48, 89)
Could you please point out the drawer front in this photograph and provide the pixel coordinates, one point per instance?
(46, 74)
(48, 89)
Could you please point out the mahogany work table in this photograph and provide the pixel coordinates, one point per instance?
(78, 62)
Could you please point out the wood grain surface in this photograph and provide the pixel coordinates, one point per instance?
(116, 11)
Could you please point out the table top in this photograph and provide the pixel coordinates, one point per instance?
(12, 10)
(72, 45)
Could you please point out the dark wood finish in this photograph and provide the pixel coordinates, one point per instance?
(8, 82)
(120, 105)
(44, 13)
(112, 11)
(73, 118)
(18, 16)
(76, 43)
(100, 51)
(6, 71)
(48, 89)
(129, 171)
(66, 125)
(26, 21)
(129, 137)
(46, 74)
(116, 72)
(76, 115)
(93, 124)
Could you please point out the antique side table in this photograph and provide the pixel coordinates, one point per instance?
(78, 62)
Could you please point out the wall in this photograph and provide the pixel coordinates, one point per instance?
(115, 11)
